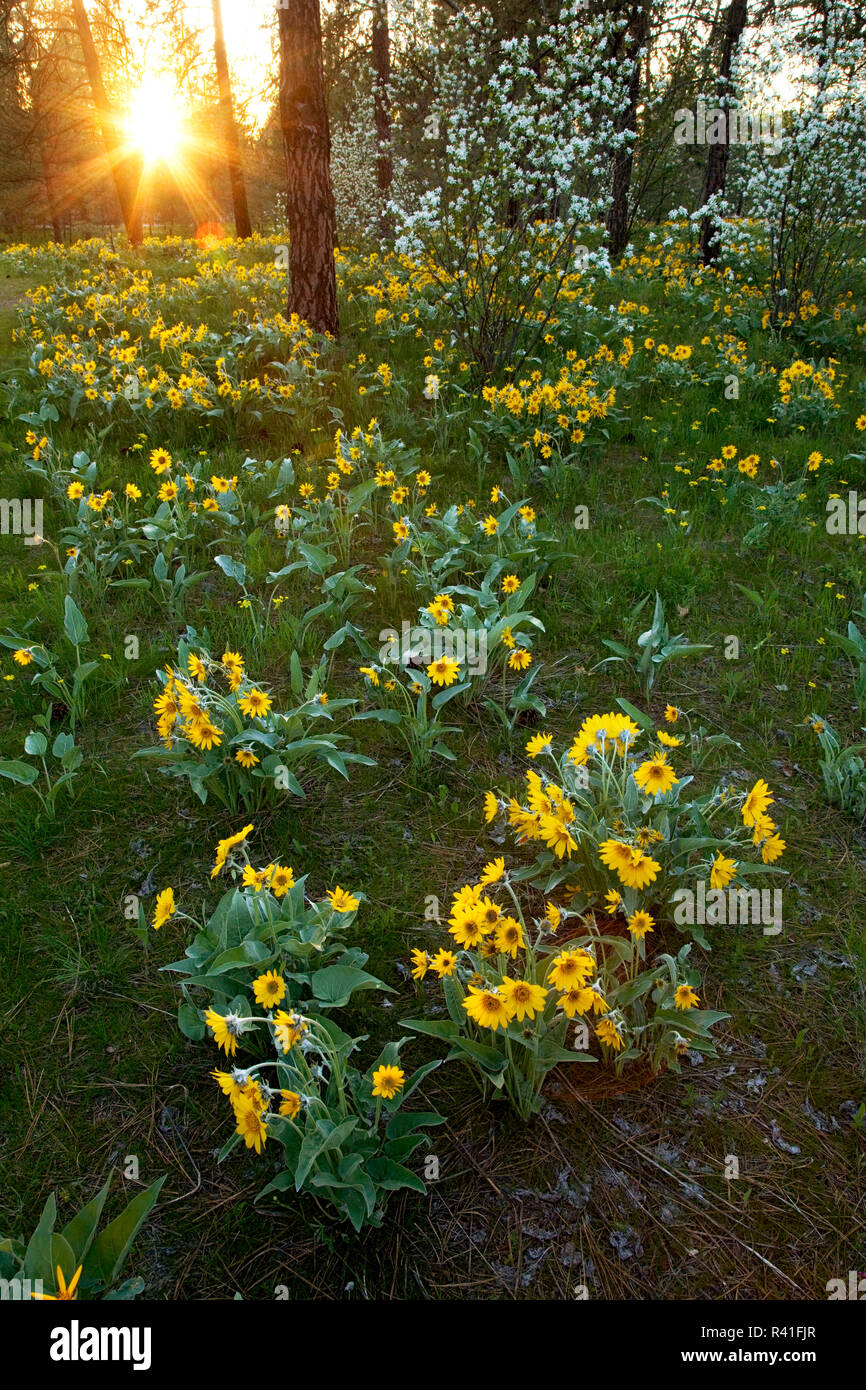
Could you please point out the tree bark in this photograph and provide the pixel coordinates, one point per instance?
(382, 108)
(126, 167)
(618, 223)
(307, 141)
(243, 226)
(717, 155)
(54, 210)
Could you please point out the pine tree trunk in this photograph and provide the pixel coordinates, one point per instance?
(635, 40)
(125, 165)
(717, 155)
(55, 211)
(243, 226)
(382, 109)
(51, 195)
(307, 141)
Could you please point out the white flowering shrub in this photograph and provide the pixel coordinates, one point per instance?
(353, 169)
(806, 191)
(521, 135)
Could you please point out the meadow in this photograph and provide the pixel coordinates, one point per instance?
(235, 515)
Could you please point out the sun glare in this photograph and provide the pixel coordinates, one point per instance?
(155, 122)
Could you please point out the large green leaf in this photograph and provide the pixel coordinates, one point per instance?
(334, 985)
(403, 1123)
(233, 568)
(316, 1144)
(189, 1022)
(250, 952)
(689, 1020)
(74, 624)
(675, 649)
(62, 1258)
(434, 1028)
(390, 1175)
(318, 560)
(80, 1231)
(454, 1001)
(62, 745)
(86, 669)
(37, 1256)
(642, 720)
(17, 771)
(357, 496)
(111, 1247)
(488, 1057)
(130, 1288)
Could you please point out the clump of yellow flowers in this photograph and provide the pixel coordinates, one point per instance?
(621, 821)
(528, 993)
(273, 967)
(220, 728)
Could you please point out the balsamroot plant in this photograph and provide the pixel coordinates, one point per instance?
(221, 730)
(274, 965)
(621, 828)
(525, 994)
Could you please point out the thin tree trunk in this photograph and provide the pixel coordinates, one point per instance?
(126, 167)
(382, 108)
(55, 211)
(51, 197)
(307, 141)
(717, 155)
(635, 40)
(243, 226)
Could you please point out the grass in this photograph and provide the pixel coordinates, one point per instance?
(630, 1197)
